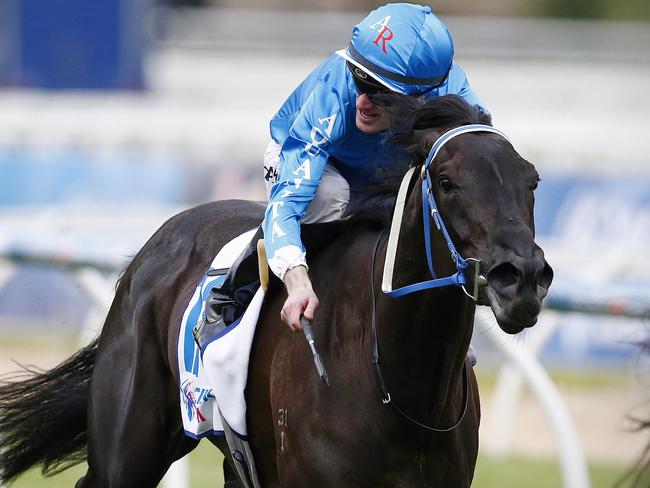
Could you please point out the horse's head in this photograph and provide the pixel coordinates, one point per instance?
(485, 193)
(484, 190)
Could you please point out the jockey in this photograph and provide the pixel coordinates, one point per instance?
(329, 134)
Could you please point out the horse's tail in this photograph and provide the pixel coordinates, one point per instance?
(43, 416)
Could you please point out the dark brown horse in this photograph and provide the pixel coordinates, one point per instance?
(119, 396)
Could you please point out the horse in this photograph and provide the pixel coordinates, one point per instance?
(402, 408)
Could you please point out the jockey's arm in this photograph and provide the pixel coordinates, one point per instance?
(304, 156)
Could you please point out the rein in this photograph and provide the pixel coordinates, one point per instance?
(383, 390)
(429, 209)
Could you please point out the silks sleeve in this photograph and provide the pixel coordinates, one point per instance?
(302, 160)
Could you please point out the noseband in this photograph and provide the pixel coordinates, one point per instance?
(429, 208)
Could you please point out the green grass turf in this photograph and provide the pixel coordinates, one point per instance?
(516, 472)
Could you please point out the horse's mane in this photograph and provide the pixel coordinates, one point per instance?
(415, 124)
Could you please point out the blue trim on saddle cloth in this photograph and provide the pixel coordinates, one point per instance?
(221, 334)
(214, 433)
(199, 408)
(191, 353)
(204, 434)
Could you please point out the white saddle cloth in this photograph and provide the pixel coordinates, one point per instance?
(217, 380)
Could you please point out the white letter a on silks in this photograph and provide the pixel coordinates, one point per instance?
(330, 123)
(277, 232)
(305, 168)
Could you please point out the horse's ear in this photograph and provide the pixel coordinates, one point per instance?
(405, 138)
(483, 116)
(425, 139)
(425, 119)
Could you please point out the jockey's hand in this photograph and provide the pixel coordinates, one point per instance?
(301, 300)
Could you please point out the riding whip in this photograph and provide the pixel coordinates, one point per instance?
(318, 361)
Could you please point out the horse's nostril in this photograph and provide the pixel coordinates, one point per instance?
(546, 277)
(503, 276)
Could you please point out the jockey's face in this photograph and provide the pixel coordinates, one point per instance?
(370, 118)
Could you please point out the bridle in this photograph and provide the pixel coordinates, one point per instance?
(430, 212)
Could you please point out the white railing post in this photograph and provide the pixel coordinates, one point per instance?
(573, 464)
(100, 290)
(508, 390)
(6, 271)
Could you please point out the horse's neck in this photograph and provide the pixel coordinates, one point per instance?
(423, 337)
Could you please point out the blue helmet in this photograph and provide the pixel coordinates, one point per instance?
(403, 46)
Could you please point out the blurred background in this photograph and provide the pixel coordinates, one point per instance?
(116, 114)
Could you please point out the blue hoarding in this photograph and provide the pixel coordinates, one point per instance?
(72, 44)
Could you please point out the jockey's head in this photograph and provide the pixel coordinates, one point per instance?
(401, 47)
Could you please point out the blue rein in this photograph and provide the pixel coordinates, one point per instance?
(430, 212)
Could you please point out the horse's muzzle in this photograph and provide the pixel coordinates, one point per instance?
(516, 289)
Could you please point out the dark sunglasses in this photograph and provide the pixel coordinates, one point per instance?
(364, 83)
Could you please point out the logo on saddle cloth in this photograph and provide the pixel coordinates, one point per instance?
(385, 34)
(192, 403)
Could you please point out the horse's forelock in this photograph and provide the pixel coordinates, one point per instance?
(446, 112)
(415, 124)
(417, 113)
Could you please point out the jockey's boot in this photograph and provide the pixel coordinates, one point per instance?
(228, 301)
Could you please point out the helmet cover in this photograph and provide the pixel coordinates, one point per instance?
(404, 46)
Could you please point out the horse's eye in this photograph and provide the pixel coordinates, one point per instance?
(445, 184)
(533, 187)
